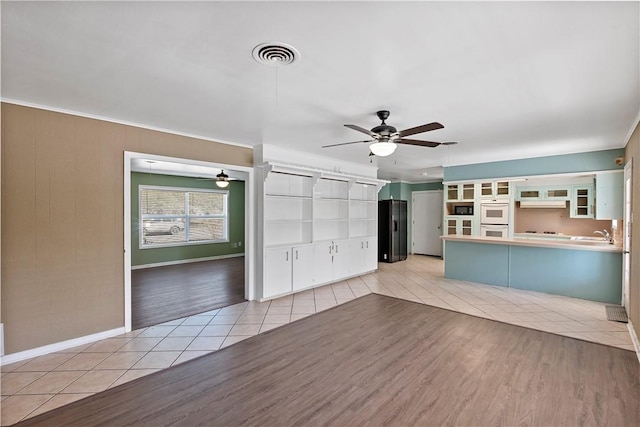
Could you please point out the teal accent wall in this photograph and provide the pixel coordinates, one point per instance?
(427, 186)
(404, 191)
(591, 275)
(477, 262)
(385, 192)
(585, 274)
(567, 163)
(235, 206)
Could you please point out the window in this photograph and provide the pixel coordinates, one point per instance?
(182, 216)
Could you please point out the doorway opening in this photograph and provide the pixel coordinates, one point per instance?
(188, 238)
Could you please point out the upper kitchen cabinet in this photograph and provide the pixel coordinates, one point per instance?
(554, 192)
(582, 201)
(609, 195)
(461, 192)
(494, 189)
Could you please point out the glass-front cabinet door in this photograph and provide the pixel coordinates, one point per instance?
(529, 194)
(456, 226)
(582, 201)
(464, 192)
(557, 193)
(494, 189)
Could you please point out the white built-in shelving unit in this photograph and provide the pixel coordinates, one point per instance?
(317, 227)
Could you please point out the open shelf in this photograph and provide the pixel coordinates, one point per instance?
(285, 184)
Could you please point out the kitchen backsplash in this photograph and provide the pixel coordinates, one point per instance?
(557, 220)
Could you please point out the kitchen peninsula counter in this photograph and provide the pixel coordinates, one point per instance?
(561, 244)
(587, 270)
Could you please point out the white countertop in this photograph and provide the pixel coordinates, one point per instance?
(565, 244)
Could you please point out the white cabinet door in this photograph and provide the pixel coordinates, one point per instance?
(323, 265)
(277, 272)
(303, 263)
(371, 254)
(609, 196)
(356, 256)
(340, 259)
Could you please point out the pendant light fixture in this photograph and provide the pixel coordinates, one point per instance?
(222, 180)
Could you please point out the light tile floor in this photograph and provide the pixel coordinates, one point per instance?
(41, 384)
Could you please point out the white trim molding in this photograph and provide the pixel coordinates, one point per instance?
(634, 338)
(59, 346)
(185, 261)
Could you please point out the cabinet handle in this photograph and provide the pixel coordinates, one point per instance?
(336, 248)
(287, 256)
(329, 248)
(296, 254)
(361, 245)
(367, 244)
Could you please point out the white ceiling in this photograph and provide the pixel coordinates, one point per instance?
(507, 80)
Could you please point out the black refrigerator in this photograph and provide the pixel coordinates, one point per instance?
(392, 230)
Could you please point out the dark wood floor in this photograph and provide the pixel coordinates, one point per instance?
(380, 361)
(161, 294)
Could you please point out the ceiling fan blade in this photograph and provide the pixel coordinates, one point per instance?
(416, 142)
(347, 143)
(419, 129)
(360, 129)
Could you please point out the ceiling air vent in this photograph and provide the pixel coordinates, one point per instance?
(275, 53)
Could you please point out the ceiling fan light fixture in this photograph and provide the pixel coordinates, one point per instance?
(383, 149)
(222, 180)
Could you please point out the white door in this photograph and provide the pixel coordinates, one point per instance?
(426, 215)
(626, 243)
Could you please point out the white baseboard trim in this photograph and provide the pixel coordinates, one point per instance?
(59, 346)
(185, 261)
(634, 338)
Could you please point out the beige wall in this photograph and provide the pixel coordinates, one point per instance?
(63, 219)
(632, 151)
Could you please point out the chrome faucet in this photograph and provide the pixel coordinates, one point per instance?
(605, 234)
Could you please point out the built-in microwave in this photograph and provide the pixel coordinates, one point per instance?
(463, 210)
(494, 213)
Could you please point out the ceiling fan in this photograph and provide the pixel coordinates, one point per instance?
(385, 138)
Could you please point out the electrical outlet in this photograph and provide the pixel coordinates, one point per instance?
(240, 244)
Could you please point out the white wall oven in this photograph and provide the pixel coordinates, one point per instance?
(493, 230)
(494, 213)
